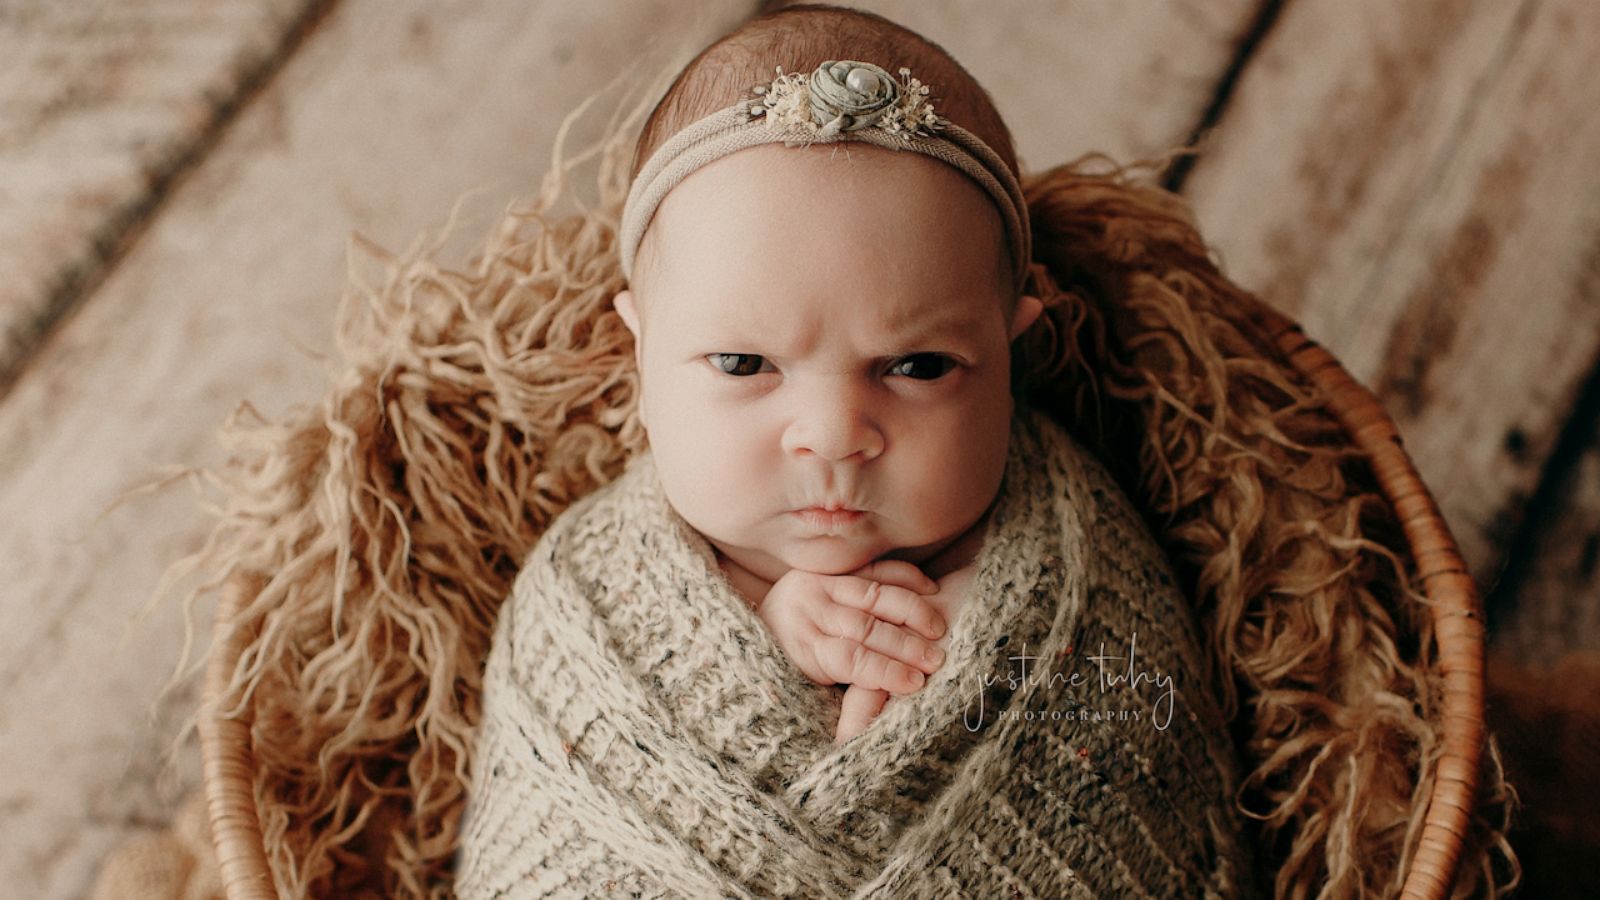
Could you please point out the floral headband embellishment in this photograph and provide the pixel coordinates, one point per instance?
(846, 96)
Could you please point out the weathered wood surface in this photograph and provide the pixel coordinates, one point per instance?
(102, 104)
(1552, 606)
(1415, 182)
(381, 120)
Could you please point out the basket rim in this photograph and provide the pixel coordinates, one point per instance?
(227, 759)
(1453, 600)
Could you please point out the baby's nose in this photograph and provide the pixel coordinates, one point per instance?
(835, 425)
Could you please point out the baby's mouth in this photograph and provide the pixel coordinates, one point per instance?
(824, 518)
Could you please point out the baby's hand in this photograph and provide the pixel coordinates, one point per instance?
(861, 705)
(840, 629)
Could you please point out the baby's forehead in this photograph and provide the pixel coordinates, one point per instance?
(792, 323)
(881, 311)
(838, 214)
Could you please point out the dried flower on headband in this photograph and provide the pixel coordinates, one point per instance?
(845, 96)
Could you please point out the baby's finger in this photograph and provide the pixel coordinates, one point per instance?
(888, 602)
(899, 572)
(849, 662)
(880, 637)
(857, 709)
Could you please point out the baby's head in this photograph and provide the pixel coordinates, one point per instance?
(826, 325)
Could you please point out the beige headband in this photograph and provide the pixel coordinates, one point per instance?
(841, 100)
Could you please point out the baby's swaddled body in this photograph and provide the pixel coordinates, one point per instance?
(642, 728)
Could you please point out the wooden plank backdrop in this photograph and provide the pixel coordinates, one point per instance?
(1411, 180)
(1555, 606)
(103, 104)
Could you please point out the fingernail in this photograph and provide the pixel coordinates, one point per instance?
(933, 655)
(916, 678)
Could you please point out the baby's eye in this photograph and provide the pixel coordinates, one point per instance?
(739, 364)
(923, 366)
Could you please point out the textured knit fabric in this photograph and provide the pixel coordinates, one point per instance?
(643, 735)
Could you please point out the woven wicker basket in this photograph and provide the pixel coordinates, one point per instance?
(1453, 599)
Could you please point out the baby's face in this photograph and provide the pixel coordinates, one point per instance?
(817, 329)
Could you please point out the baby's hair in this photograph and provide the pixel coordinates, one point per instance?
(800, 38)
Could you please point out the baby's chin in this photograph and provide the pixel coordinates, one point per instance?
(841, 554)
(832, 556)
(769, 563)
(838, 554)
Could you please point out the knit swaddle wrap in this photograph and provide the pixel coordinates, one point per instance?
(642, 733)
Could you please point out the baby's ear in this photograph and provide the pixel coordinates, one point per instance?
(629, 311)
(1028, 309)
(630, 317)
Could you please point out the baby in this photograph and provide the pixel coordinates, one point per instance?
(823, 336)
(828, 265)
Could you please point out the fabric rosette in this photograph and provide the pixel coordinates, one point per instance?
(851, 94)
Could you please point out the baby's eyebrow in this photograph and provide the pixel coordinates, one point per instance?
(914, 330)
(903, 333)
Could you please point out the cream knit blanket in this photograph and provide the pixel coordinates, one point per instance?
(642, 734)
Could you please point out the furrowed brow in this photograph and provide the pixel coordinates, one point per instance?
(949, 327)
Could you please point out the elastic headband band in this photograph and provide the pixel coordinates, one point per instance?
(840, 101)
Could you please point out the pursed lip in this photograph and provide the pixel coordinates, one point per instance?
(821, 517)
(829, 507)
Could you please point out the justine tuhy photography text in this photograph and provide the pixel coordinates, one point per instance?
(1091, 691)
